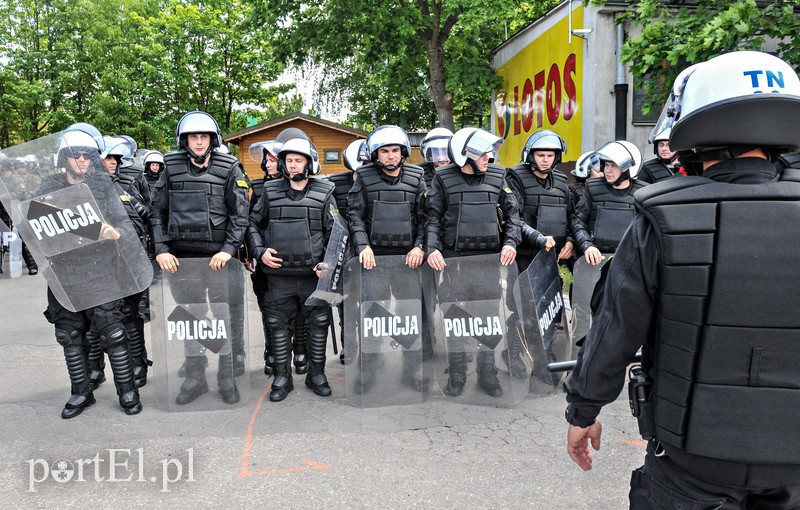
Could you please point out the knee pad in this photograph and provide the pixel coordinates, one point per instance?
(276, 321)
(112, 336)
(67, 335)
(319, 319)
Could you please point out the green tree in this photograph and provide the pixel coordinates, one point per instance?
(410, 62)
(672, 39)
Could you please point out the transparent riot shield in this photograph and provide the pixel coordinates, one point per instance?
(330, 287)
(542, 320)
(197, 325)
(473, 306)
(10, 252)
(384, 334)
(74, 222)
(585, 277)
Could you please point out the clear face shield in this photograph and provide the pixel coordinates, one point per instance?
(479, 143)
(437, 154)
(256, 150)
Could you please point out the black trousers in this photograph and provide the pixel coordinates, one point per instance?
(662, 484)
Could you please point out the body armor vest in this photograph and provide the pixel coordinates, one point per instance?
(295, 228)
(391, 207)
(728, 338)
(611, 214)
(428, 171)
(342, 181)
(544, 209)
(197, 210)
(470, 222)
(657, 169)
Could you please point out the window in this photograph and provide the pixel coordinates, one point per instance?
(331, 156)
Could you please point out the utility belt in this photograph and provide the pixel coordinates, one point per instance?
(640, 398)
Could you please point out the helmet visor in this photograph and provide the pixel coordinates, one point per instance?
(480, 142)
(437, 154)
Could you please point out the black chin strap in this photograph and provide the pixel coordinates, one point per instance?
(471, 162)
(199, 159)
(624, 176)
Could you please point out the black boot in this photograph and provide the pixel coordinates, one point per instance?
(119, 357)
(281, 347)
(237, 344)
(412, 371)
(487, 375)
(96, 360)
(317, 342)
(370, 363)
(195, 383)
(82, 396)
(135, 329)
(300, 345)
(269, 359)
(30, 263)
(456, 373)
(226, 382)
(182, 370)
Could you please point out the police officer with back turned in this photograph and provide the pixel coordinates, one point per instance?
(698, 284)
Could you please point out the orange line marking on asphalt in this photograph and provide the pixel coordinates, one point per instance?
(633, 442)
(244, 470)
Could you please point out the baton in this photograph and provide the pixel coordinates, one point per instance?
(333, 331)
(566, 366)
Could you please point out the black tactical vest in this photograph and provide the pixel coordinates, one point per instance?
(657, 170)
(470, 222)
(428, 171)
(295, 228)
(391, 207)
(342, 181)
(197, 210)
(726, 377)
(544, 209)
(611, 214)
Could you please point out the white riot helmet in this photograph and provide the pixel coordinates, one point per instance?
(739, 101)
(153, 157)
(303, 147)
(625, 155)
(543, 140)
(80, 139)
(198, 122)
(258, 152)
(388, 135)
(119, 147)
(585, 164)
(353, 154)
(469, 144)
(434, 146)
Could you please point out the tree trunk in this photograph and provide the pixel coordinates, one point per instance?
(442, 99)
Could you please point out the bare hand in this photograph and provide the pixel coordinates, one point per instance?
(436, 260)
(250, 265)
(549, 242)
(367, 258)
(593, 256)
(415, 257)
(219, 260)
(270, 260)
(109, 232)
(168, 262)
(566, 251)
(578, 443)
(507, 255)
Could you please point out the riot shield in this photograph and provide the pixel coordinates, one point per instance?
(75, 224)
(197, 322)
(585, 277)
(330, 287)
(10, 252)
(383, 334)
(541, 325)
(473, 303)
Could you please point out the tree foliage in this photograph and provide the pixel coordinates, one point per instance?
(673, 38)
(132, 66)
(416, 63)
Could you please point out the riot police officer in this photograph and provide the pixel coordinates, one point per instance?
(387, 215)
(153, 162)
(698, 284)
(665, 164)
(434, 149)
(289, 228)
(79, 155)
(606, 207)
(455, 230)
(200, 206)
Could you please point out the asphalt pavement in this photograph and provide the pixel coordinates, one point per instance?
(304, 452)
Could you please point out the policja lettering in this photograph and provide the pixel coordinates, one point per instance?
(551, 312)
(472, 327)
(197, 330)
(64, 220)
(377, 327)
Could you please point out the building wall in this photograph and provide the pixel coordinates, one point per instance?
(323, 137)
